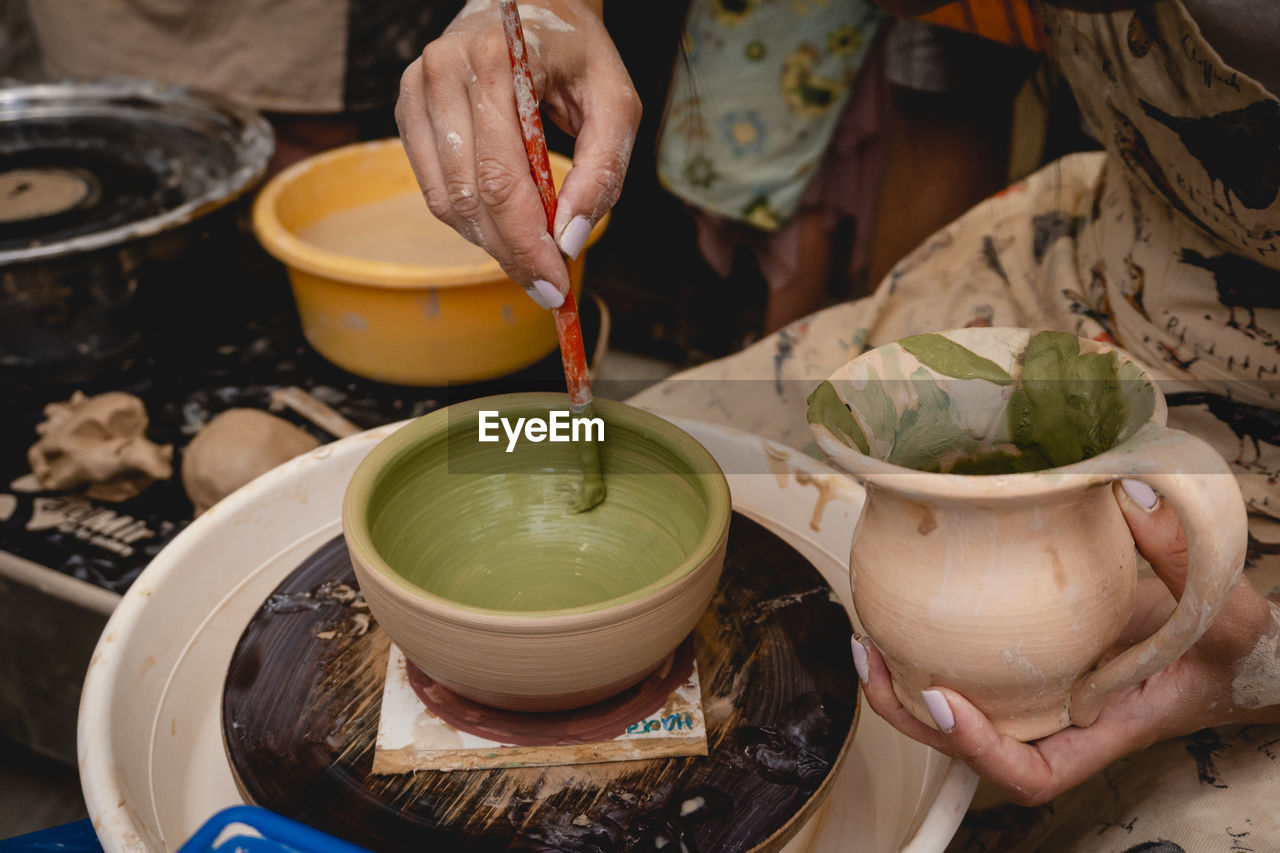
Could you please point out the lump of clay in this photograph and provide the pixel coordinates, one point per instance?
(234, 448)
(100, 441)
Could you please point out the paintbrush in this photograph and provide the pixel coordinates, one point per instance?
(572, 353)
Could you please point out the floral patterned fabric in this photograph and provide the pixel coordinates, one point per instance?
(755, 98)
(1166, 243)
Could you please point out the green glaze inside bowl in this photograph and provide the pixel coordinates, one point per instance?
(471, 524)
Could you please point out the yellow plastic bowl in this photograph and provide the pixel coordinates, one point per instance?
(397, 322)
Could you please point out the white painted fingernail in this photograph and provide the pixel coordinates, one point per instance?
(1140, 493)
(574, 236)
(536, 296)
(551, 295)
(860, 661)
(938, 708)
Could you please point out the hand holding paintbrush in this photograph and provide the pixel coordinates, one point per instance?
(568, 329)
(462, 134)
(467, 149)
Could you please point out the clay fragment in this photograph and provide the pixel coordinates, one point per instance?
(234, 448)
(100, 442)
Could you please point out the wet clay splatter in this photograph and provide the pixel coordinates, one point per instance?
(777, 460)
(1257, 677)
(827, 487)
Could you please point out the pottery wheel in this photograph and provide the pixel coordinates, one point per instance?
(300, 714)
(54, 190)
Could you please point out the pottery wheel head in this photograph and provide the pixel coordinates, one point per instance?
(36, 193)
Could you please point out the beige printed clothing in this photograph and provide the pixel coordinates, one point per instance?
(1166, 243)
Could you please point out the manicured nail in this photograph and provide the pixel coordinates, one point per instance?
(536, 296)
(546, 294)
(1140, 493)
(860, 661)
(574, 236)
(938, 708)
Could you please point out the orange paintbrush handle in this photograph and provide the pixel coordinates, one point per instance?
(572, 351)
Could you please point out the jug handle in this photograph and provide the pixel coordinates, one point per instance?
(1198, 484)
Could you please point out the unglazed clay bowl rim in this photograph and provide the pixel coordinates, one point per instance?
(998, 488)
(355, 520)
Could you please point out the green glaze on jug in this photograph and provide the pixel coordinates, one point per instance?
(1068, 405)
(947, 357)
(826, 408)
(954, 410)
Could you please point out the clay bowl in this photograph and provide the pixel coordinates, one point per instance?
(474, 565)
(395, 295)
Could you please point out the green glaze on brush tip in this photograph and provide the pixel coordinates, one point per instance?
(945, 356)
(592, 491)
(471, 523)
(826, 408)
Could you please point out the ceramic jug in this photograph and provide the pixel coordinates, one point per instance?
(991, 556)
